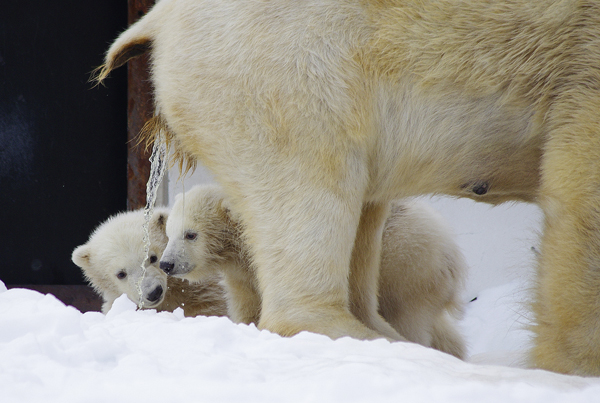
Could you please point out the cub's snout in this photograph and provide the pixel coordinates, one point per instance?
(156, 294)
(167, 267)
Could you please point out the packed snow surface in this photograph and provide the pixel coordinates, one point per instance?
(50, 352)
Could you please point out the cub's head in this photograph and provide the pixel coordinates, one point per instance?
(197, 228)
(111, 259)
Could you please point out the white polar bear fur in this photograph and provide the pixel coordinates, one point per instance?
(421, 272)
(111, 262)
(314, 114)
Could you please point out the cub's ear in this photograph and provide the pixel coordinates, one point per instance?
(225, 206)
(228, 211)
(178, 197)
(81, 255)
(159, 220)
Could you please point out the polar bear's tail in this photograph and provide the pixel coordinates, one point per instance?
(135, 41)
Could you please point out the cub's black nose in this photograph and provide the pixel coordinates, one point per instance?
(155, 294)
(167, 267)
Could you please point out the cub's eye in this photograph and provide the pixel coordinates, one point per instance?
(153, 259)
(190, 236)
(121, 275)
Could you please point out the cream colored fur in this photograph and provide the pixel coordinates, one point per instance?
(111, 263)
(206, 240)
(421, 275)
(313, 115)
(421, 271)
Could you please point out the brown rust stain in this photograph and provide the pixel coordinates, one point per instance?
(139, 110)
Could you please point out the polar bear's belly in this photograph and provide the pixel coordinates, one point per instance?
(477, 148)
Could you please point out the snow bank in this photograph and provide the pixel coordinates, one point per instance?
(50, 352)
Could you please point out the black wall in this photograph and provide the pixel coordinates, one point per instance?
(62, 142)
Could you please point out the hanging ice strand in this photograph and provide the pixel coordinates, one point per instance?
(158, 163)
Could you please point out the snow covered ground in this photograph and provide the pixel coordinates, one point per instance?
(50, 352)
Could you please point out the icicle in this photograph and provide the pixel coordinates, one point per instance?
(158, 163)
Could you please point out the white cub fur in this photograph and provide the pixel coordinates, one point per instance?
(421, 271)
(111, 263)
(206, 239)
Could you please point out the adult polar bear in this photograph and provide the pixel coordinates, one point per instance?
(315, 114)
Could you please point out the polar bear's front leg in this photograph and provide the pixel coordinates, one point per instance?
(301, 238)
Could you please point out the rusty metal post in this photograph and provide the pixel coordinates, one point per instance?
(140, 107)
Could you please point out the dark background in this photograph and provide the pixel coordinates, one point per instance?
(63, 156)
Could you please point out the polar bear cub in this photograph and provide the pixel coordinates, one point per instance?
(207, 239)
(111, 263)
(421, 272)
